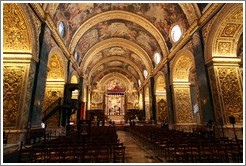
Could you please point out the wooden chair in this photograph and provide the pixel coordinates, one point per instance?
(119, 154)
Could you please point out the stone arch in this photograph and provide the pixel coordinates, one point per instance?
(161, 101)
(116, 42)
(221, 51)
(180, 74)
(228, 27)
(19, 45)
(19, 34)
(181, 65)
(56, 65)
(123, 79)
(56, 78)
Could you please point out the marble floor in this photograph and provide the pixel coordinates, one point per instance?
(134, 152)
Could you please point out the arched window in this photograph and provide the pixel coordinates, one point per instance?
(145, 73)
(76, 56)
(157, 57)
(176, 33)
(139, 83)
(61, 29)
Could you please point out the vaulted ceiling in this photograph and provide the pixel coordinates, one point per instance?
(120, 37)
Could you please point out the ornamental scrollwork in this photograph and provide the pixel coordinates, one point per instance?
(15, 32)
(231, 93)
(183, 105)
(12, 91)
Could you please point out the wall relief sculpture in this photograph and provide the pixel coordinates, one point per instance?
(13, 82)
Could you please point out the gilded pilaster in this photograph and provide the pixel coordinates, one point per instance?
(183, 107)
(227, 92)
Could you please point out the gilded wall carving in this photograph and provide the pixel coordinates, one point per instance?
(183, 107)
(15, 32)
(230, 30)
(181, 68)
(224, 48)
(56, 67)
(231, 92)
(206, 29)
(162, 112)
(13, 82)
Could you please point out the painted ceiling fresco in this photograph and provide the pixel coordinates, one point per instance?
(135, 42)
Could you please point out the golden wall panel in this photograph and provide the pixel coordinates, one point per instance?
(56, 67)
(13, 85)
(224, 48)
(162, 112)
(15, 31)
(183, 108)
(231, 92)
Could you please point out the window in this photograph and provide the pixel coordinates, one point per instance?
(145, 73)
(157, 57)
(176, 33)
(139, 83)
(76, 56)
(61, 29)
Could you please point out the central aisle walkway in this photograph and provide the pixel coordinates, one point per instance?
(135, 153)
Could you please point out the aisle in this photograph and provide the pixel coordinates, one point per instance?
(134, 153)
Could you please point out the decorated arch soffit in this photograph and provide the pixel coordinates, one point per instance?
(98, 76)
(114, 80)
(160, 85)
(56, 65)
(181, 65)
(121, 62)
(223, 40)
(18, 31)
(116, 46)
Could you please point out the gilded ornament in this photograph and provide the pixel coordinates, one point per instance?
(15, 32)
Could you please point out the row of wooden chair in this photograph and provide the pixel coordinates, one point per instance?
(178, 146)
(98, 147)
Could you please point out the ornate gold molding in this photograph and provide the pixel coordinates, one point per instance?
(191, 11)
(183, 107)
(19, 57)
(228, 28)
(16, 36)
(13, 84)
(230, 91)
